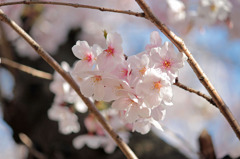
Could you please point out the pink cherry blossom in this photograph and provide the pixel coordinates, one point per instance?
(87, 54)
(113, 54)
(155, 88)
(167, 60)
(155, 41)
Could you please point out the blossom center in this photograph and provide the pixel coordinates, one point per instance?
(143, 70)
(119, 87)
(97, 78)
(213, 7)
(124, 72)
(109, 51)
(157, 85)
(166, 64)
(88, 57)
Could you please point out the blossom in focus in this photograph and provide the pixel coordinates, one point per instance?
(155, 88)
(86, 53)
(167, 60)
(113, 54)
(139, 86)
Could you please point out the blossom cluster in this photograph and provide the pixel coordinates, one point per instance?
(140, 86)
(66, 103)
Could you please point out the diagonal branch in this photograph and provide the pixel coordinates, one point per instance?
(122, 145)
(28, 143)
(179, 43)
(24, 68)
(180, 85)
(75, 5)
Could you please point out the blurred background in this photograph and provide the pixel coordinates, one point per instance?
(211, 31)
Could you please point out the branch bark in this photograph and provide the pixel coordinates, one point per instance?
(179, 43)
(75, 5)
(180, 85)
(122, 145)
(24, 68)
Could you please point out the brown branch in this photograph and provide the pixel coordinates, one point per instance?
(75, 5)
(209, 99)
(122, 145)
(28, 143)
(179, 43)
(24, 68)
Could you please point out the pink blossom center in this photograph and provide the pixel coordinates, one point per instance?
(109, 51)
(157, 85)
(88, 57)
(167, 64)
(124, 72)
(97, 78)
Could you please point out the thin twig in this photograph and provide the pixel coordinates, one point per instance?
(179, 43)
(53, 63)
(24, 68)
(209, 99)
(75, 5)
(28, 143)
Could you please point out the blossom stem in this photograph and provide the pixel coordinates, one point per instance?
(75, 5)
(53, 63)
(180, 85)
(24, 68)
(179, 43)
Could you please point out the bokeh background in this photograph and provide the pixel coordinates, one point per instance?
(25, 99)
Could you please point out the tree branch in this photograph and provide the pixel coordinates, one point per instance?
(24, 68)
(75, 5)
(28, 143)
(179, 43)
(180, 85)
(122, 145)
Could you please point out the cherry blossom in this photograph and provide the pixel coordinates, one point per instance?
(155, 41)
(155, 88)
(139, 86)
(66, 102)
(87, 55)
(167, 60)
(67, 120)
(97, 136)
(210, 11)
(176, 11)
(113, 54)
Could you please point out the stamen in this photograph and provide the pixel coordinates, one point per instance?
(88, 57)
(97, 78)
(167, 64)
(157, 85)
(109, 51)
(143, 70)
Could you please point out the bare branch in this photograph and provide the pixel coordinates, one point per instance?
(179, 43)
(25, 68)
(122, 145)
(28, 143)
(180, 85)
(75, 5)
